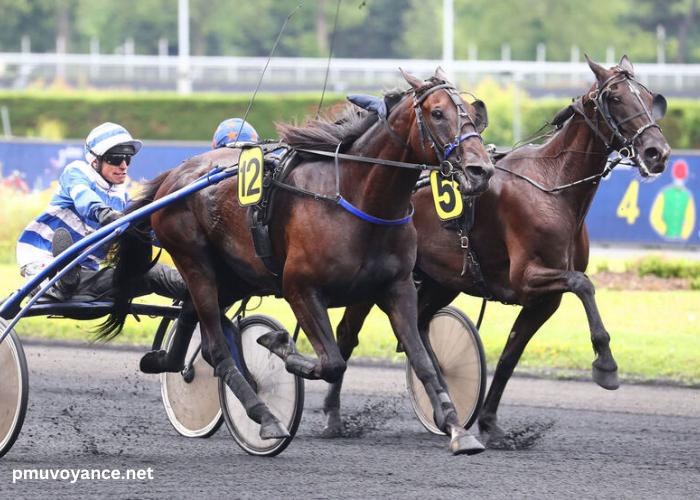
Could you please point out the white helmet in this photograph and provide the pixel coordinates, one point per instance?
(105, 137)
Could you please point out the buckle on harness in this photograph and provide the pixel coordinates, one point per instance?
(446, 168)
(464, 242)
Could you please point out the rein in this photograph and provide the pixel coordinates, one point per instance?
(626, 152)
(608, 168)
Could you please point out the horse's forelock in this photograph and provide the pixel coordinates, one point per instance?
(429, 84)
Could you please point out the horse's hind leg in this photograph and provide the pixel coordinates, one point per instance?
(399, 305)
(431, 298)
(313, 319)
(200, 279)
(346, 333)
(530, 319)
(173, 361)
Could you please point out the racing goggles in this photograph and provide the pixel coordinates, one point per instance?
(117, 159)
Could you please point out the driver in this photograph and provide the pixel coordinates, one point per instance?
(89, 195)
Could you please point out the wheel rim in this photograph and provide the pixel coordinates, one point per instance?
(460, 356)
(281, 391)
(193, 408)
(13, 390)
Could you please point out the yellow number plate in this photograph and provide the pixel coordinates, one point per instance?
(446, 196)
(250, 174)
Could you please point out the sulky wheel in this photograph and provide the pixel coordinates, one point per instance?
(191, 397)
(460, 356)
(281, 391)
(14, 388)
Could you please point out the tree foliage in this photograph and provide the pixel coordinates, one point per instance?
(366, 28)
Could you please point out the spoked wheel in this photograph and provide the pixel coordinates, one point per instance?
(14, 389)
(191, 397)
(281, 391)
(460, 355)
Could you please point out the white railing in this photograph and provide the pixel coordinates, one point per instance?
(17, 70)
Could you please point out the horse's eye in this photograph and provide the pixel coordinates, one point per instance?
(438, 114)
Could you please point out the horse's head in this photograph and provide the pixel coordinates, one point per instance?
(451, 127)
(631, 111)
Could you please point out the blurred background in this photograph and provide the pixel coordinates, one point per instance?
(171, 70)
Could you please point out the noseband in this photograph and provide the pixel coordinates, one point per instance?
(443, 151)
(600, 97)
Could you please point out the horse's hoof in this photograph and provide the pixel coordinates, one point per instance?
(606, 379)
(334, 425)
(278, 342)
(152, 362)
(330, 431)
(466, 444)
(273, 430)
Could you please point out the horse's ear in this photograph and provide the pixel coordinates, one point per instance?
(658, 107)
(440, 75)
(599, 71)
(412, 80)
(481, 117)
(626, 65)
(563, 115)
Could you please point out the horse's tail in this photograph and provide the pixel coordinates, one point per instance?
(131, 258)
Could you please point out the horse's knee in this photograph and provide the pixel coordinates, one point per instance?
(346, 335)
(580, 284)
(333, 371)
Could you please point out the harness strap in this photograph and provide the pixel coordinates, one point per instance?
(608, 168)
(462, 138)
(364, 159)
(374, 220)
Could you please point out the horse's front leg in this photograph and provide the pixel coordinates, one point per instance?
(540, 282)
(312, 316)
(347, 336)
(400, 305)
(604, 366)
(530, 319)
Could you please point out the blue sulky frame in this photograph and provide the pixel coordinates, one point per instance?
(11, 309)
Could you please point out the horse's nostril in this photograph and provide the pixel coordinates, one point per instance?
(477, 171)
(652, 154)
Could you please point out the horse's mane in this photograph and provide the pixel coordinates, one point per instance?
(325, 134)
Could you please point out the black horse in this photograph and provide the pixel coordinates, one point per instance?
(530, 240)
(328, 256)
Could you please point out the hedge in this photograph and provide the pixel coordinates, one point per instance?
(160, 116)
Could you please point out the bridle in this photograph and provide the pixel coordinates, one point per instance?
(443, 151)
(600, 97)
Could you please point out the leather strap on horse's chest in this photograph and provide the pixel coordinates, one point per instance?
(258, 217)
(470, 263)
(463, 226)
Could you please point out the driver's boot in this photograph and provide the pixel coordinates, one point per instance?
(64, 287)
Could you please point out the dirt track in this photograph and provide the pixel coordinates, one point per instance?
(91, 409)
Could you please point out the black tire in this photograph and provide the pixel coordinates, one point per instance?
(192, 407)
(460, 355)
(14, 388)
(281, 391)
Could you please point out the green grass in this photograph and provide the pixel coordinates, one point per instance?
(654, 334)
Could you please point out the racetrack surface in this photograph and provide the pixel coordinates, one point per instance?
(91, 409)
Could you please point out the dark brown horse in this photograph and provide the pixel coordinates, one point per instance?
(532, 245)
(329, 256)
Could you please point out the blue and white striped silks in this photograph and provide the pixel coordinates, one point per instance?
(81, 192)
